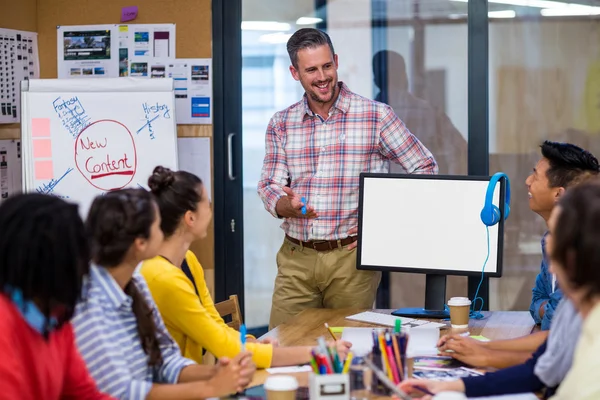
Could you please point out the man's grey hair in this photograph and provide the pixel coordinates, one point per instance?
(307, 38)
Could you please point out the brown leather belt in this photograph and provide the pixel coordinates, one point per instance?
(323, 245)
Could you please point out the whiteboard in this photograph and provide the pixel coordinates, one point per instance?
(427, 224)
(82, 138)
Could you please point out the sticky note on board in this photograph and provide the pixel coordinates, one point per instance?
(42, 148)
(129, 13)
(44, 170)
(40, 127)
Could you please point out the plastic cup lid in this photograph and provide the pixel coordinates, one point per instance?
(459, 301)
(281, 383)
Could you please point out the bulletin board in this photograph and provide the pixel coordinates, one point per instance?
(20, 15)
(193, 19)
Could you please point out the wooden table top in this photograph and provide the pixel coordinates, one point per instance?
(306, 327)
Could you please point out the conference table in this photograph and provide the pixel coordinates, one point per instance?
(306, 327)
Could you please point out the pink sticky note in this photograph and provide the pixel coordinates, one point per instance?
(44, 170)
(42, 148)
(128, 13)
(40, 127)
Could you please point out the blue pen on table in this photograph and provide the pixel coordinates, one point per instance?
(303, 200)
(243, 336)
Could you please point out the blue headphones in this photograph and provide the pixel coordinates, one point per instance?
(490, 214)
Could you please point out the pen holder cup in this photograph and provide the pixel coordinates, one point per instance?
(391, 360)
(329, 387)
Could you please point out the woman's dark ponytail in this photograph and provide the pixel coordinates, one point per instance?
(114, 222)
(145, 324)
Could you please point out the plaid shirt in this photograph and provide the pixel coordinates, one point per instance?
(322, 160)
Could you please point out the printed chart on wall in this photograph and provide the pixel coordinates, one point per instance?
(87, 51)
(106, 51)
(193, 85)
(193, 89)
(18, 62)
(82, 138)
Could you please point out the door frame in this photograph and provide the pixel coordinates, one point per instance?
(227, 120)
(227, 150)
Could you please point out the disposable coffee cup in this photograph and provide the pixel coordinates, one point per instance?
(281, 387)
(459, 312)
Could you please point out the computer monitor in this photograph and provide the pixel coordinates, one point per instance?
(428, 224)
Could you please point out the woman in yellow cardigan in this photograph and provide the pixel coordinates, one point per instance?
(185, 303)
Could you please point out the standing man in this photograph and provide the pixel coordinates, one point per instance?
(562, 165)
(315, 151)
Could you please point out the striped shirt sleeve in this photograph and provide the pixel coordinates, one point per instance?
(275, 170)
(104, 358)
(399, 145)
(173, 361)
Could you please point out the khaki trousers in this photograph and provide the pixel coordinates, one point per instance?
(307, 278)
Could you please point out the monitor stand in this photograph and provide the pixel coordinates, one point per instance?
(435, 300)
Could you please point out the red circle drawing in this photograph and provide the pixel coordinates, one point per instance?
(105, 154)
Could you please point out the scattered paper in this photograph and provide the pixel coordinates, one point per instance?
(521, 396)
(422, 341)
(19, 61)
(289, 370)
(445, 375)
(361, 339)
(372, 317)
(337, 329)
(436, 363)
(129, 13)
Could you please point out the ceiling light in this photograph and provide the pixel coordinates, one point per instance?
(570, 11)
(308, 20)
(491, 14)
(265, 26)
(275, 38)
(526, 3)
(502, 14)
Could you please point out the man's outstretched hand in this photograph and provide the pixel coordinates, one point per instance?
(290, 206)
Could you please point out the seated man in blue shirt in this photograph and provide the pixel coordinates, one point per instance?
(562, 165)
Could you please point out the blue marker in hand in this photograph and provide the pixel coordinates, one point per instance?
(243, 336)
(303, 205)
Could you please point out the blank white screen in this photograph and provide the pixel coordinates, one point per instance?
(426, 224)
